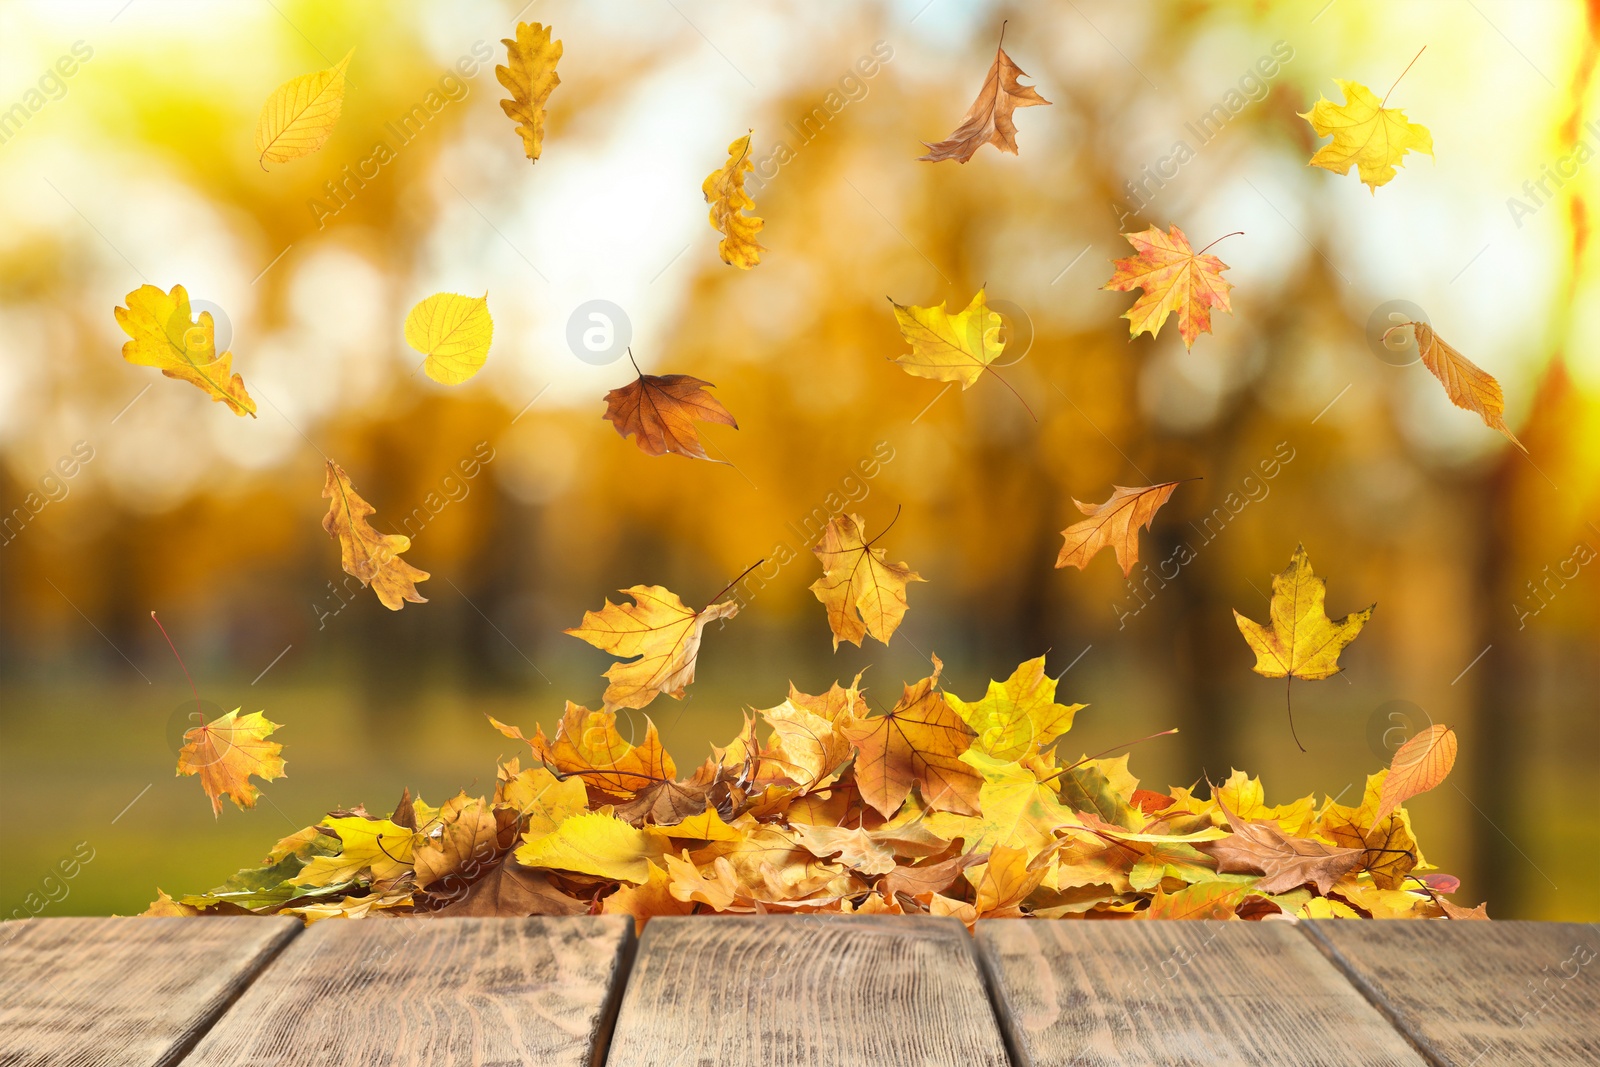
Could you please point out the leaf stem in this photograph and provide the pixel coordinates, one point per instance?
(1113, 748)
(886, 529)
(1024, 403)
(635, 363)
(1409, 65)
(1224, 237)
(199, 713)
(1288, 680)
(735, 582)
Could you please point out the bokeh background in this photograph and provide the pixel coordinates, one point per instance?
(140, 167)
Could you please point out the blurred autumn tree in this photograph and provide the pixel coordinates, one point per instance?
(142, 169)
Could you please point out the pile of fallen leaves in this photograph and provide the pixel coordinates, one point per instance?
(941, 806)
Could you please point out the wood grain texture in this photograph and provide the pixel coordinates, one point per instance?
(813, 990)
(435, 992)
(133, 992)
(1108, 994)
(1480, 993)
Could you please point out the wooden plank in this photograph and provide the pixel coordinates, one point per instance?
(1105, 994)
(1480, 993)
(134, 992)
(401, 992)
(815, 990)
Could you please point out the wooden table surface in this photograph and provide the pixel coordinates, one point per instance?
(874, 991)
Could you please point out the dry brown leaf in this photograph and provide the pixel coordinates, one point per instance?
(659, 413)
(1284, 862)
(989, 120)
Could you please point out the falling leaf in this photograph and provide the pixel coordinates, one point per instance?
(364, 552)
(226, 751)
(529, 79)
(1284, 862)
(592, 843)
(863, 592)
(919, 742)
(299, 116)
(1174, 278)
(1468, 386)
(946, 347)
(990, 119)
(1418, 765)
(1302, 641)
(659, 412)
(164, 336)
(453, 332)
(661, 631)
(1115, 523)
(1365, 133)
(724, 191)
(1017, 717)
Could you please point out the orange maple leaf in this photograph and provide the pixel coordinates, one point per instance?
(1116, 523)
(920, 741)
(990, 119)
(226, 751)
(1174, 278)
(659, 411)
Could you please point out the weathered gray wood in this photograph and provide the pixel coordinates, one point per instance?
(1480, 993)
(812, 990)
(1107, 994)
(133, 992)
(433, 992)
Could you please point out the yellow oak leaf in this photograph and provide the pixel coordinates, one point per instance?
(376, 845)
(1115, 523)
(856, 848)
(661, 631)
(166, 337)
(596, 843)
(946, 347)
(1302, 641)
(529, 79)
(1174, 277)
(454, 333)
(1418, 765)
(1017, 717)
(1365, 134)
(724, 191)
(589, 747)
(990, 119)
(920, 742)
(299, 116)
(1468, 385)
(364, 552)
(719, 890)
(863, 592)
(226, 751)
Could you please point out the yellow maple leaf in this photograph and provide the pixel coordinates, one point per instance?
(1302, 641)
(529, 79)
(1174, 277)
(589, 747)
(299, 116)
(1116, 523)
(920, 741)
(539, 797)
(464, 844)
(164, 336)
(1003, 882)
(1468, 385)
(376, 845)
(806, 749)
(364, 552)
(454, 333)
(1365, 133)
(1015, 810)
(661, 631)
(724, 191)
(226, 751)
(863, 592)
(596, 843)
(946, 347)
(1017, 717)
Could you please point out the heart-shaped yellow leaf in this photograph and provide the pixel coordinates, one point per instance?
(454, 333)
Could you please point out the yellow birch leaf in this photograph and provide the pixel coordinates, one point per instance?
(530, 79)
(724, 191)
(299, 116)
(226, 751)
(453, 332)
(364, 552)
(164, 336)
